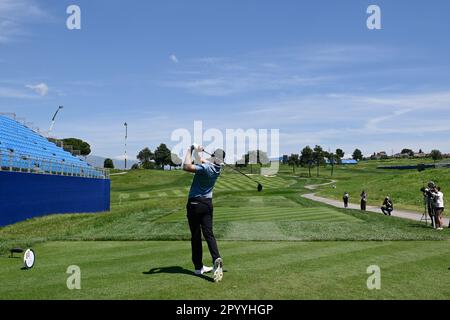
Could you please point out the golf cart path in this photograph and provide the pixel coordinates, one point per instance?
(339, 204)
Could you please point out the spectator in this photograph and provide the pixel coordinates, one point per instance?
(363, 200)
(438, 208)
(387, 206)
(345, 198)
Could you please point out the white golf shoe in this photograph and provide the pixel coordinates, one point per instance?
(218, 271)
(203, 270)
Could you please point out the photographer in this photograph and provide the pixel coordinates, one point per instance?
(363, 200)
(345, 198)
(387, 206)
(429, 196)
(438, 207)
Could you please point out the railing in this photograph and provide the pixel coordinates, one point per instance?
(12, 161)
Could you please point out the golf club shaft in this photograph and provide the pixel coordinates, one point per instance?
(229, 166)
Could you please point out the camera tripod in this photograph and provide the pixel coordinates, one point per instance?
(428, 212)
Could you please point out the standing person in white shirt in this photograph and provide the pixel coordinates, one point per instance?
(438, 207)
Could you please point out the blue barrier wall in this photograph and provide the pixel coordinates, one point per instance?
(27, 195)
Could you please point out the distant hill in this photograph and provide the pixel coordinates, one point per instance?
(98, 161)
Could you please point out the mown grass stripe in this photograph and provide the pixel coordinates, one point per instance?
(275, 215)
(285, 218)
(260, 213)
(280, 218)
(272, 214)
(252, 213)
(178, 193)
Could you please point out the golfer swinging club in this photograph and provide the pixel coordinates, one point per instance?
(200, 208)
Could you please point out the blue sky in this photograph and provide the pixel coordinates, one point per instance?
(309, 68)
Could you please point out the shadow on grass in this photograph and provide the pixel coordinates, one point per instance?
(176, 270)
(420, 226)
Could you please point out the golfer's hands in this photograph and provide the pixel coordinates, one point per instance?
(196, 147)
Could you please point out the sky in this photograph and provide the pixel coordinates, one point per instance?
(311, 69)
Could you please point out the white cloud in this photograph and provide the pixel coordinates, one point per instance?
(280, 69)
(41, 89)
(14, 15)
(348, 121)
(371, 122)
(6, 92)
(174, 58)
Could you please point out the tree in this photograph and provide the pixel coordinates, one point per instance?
(294, 160)
(318, 157)
(145, 156)
(409, 152)
(108, 163)
(435, 155)
(333, 159)
(357, 155)
(339, 155)
(258, 156)
(162, 156)
(262, 157)
(306, 158)
(420, 151)
(78, 144)
(135, 166)
(253, 157)
(175, 160)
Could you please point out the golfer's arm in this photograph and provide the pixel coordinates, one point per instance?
(188, 166)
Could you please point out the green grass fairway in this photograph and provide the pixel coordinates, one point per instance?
(275, 244)
(256, 214)
(233, 182)
(253, 270)
(229, 183)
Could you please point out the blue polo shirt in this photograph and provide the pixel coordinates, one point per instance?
(205, 177)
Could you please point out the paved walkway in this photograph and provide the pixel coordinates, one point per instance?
(339, 204)
(118, 174)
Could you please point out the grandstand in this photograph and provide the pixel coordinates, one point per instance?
(22, 149)
(38, 177)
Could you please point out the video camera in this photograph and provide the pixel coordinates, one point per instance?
(427, 192)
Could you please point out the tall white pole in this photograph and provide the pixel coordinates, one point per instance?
(126, 136)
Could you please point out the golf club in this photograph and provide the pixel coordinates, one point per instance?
(260, 187)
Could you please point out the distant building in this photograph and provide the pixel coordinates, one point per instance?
(379, 155)
(420, 155)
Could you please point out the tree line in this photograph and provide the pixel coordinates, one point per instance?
(317, 156)
(308, 157)
(162, 156)
(148, 159)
